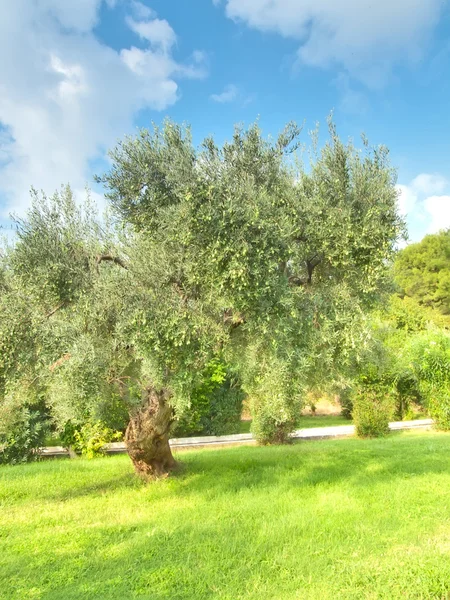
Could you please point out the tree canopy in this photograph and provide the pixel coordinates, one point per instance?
(239, 251)
(422, 271)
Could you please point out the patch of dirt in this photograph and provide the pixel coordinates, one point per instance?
(324, 406)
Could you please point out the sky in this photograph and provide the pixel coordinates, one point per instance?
(78, 75)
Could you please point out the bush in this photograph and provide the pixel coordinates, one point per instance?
(89, 439)
(25, 435)
(439, 406)
(268, 429)
(225, 411)
(216, 404)
(372, 411)
(277, 400)
(24, 423)
(346, 402)
(430, 357)
(407, 395)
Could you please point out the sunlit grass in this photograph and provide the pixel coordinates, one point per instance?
(347, 519)
(307, 422)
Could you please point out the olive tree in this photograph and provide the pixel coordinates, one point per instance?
(238, 251)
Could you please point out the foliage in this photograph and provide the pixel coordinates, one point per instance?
(55, 247)
(422, 271)
(239, 251)
(346, 401)
(429, 354)
(89, 439)
(396, 329)
(226, 408)
(407, 314)
(413, 357)
(439, 405)
(276, 403)
(408, 395)
(23, 428)
(372, 410)
(215, 406)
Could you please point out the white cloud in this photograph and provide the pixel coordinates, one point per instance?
(430, 184)
(438, 208)
(80, 16)
(157, 32)
(229, 94)
(363, 36)
(424, 206)
(141, 11)
(65, 97)
(407, 199)
(98, 200)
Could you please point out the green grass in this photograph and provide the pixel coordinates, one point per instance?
(307, 422)
(348, 519)
(53, 440)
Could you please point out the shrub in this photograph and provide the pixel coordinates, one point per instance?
(346, 402)
(225, 411)
(24, 436)
(276, 405)
(439, 406)
(24, 423)
(268, 429)
(89, 439)
(216, 404)
(430, 357)
(372, 411)
(407, 395)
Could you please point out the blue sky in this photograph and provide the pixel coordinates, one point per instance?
(80, 74)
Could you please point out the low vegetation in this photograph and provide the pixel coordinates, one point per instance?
(346, 519)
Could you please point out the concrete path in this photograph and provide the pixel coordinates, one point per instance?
(242, 439)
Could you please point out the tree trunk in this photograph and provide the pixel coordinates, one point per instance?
(147, 436)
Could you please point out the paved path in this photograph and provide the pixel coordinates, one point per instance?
(242, 439)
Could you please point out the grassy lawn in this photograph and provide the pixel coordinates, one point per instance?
(334, 519)
(307, 422)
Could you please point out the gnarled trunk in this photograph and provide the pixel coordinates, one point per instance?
(147, 436)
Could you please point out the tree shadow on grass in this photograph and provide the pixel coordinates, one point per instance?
(226, 532)
(306, 463)
(312, 463)
(106, 486)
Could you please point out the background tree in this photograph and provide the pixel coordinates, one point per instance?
(227, 253)
(403, 369)
(422, 271)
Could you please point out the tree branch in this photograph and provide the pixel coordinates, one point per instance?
(59, 361)
(54, 310)
(177, 286)
(311, 264)
(111, 258)
(231, 320)
(296, 280)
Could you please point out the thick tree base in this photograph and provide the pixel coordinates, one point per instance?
(147, 436)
